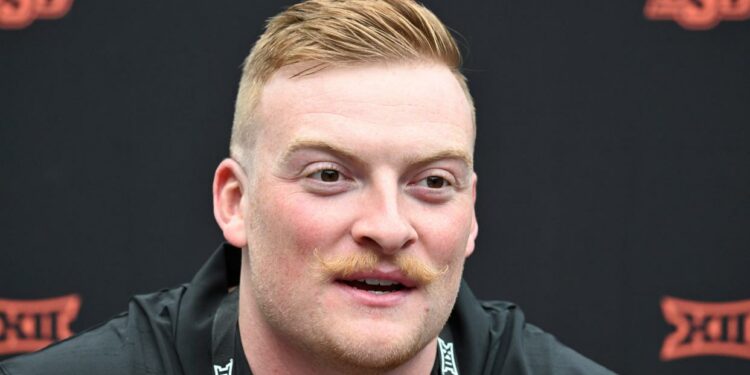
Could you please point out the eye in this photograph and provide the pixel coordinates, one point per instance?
(434, 182)
(326, 175)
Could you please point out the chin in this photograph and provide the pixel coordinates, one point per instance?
(382, 346)
(377, 355)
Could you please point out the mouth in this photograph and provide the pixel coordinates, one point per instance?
(375, 286)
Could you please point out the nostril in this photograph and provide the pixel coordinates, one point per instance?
(383, 240)
(409, 242)
(367, 242)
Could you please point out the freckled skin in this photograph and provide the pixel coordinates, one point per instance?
(390, 116)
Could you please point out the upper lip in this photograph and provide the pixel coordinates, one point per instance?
(395, 276)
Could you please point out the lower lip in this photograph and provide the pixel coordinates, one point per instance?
(374, 300)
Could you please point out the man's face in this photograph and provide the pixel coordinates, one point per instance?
(375, 158)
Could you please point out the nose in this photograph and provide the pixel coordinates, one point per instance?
(382, 224)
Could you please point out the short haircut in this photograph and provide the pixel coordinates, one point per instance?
(340, 33)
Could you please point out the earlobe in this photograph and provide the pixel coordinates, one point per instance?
(474, 224)
(472, 236)
(228, 187)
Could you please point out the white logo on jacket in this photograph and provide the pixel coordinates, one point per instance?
(226, 370)
(447, 358)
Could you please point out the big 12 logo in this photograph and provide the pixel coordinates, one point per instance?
(17, 14)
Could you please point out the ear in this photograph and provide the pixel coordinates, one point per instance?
(474, 225)
(229, 186)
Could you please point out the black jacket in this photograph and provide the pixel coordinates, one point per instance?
(173, 332)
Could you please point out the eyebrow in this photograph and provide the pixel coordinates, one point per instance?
(442, 155)
(351, 154)
(310, 144)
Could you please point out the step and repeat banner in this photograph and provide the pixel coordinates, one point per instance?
(613, 157)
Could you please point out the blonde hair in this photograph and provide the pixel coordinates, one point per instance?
(335, 33)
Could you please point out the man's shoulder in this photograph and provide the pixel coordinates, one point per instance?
(530, 350)
(137, 341)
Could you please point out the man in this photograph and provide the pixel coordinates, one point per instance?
(348, 209)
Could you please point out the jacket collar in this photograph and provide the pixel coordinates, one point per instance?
(198, 307)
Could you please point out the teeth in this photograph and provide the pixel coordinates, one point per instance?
(377, 282)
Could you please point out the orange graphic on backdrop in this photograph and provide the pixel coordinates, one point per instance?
(29, 325)
(706, 328)
(17, 14)
(697, 14)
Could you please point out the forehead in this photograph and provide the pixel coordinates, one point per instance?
(422, 103)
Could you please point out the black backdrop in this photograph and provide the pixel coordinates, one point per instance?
(612, 156)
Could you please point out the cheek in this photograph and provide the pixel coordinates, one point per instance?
(307, 222)
(446, 233)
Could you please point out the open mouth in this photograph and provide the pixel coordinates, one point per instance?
(375, 286)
